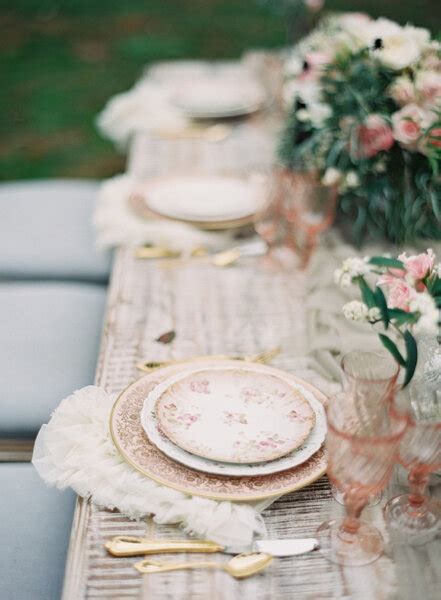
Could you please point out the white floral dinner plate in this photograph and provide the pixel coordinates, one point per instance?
(201, 199)
(311, 445)
(136, 448)
(219, 97)
(234, 415)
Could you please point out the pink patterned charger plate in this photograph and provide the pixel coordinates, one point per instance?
(135, 447)
(234, 415)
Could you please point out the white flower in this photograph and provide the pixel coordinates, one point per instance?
(293, 66)
(303, 115)
(319, 112)
(374, 314)
(351, 268)
(395, 46)
(355, 311)
(332, 176)
(352, 180)
(425, 306)
(437, 269)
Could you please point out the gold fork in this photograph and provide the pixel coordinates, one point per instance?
(261, 358)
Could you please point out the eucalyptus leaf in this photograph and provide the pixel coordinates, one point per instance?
(384, 261)
(412, 356)
(392, 348)
(382, 305)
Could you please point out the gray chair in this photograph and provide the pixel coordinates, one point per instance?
(46, 231)
(50, 336)
(34, 532)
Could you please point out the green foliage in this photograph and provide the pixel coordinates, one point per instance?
(399, 192)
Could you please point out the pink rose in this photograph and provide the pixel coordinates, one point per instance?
(402, 91)
(400, 295)
(409, 124)
(418, 265)
(428, 84)
(373, 136)
(315, 5)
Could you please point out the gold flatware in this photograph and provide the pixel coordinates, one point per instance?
(126, 545)
(155, 252)
(240, 566)
(212, 133)
(262, 358)
(226, 257)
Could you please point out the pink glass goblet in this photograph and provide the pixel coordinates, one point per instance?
(415, 516)
(361, 456)
(309, 208)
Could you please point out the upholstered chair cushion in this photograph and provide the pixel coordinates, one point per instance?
(46, 231)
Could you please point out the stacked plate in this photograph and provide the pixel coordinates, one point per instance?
(223, 429)
(216, 202)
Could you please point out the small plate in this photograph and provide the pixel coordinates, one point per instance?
(234, 415)
(297, 457)
(219, 97)
(208, 202)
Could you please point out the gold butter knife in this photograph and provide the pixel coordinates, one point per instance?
(125, 545)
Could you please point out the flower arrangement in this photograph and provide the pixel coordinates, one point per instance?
(410, 302)
(364, 102)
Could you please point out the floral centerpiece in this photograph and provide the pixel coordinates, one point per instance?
(410, 303)
(365, 112)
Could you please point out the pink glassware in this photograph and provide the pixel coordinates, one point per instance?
(297, 208)
(415, 516)
(361, 456)
(370, 377)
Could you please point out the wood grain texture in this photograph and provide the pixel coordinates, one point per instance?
(239, 310)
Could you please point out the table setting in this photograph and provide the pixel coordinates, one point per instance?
(266, 392)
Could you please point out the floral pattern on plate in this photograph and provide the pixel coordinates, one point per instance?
(135, 447)
(275, 418)
(311, 445)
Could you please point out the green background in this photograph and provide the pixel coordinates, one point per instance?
(60, 62)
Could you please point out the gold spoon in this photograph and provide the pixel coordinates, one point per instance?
(240, 566)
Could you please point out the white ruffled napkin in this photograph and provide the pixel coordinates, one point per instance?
(142, 108)
(117, 224)
(75, 450)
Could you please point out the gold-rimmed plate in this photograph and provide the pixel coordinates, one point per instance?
(207, 202)
(135, 447)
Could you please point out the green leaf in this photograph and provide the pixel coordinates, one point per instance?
(383, 261)
(382, 305)
(392, 348)
(412, 356)
(366, 293)
(401, 316)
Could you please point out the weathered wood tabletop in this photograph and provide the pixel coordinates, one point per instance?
(242, 309)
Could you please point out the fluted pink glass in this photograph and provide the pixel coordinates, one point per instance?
(296, 210)
(369, 380)
(415, 516)
(361, 455)
(370, 377)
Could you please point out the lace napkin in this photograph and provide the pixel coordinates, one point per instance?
(75, 450)
(117, 224)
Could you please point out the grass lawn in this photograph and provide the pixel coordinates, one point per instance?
(61, 60)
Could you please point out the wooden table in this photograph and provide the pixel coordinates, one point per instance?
(242, 309)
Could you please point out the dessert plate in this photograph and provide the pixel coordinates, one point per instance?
(234, 415)
(201, 200)
(135, 447)
(297, 457)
